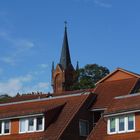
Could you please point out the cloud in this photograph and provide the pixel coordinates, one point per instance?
(22, 44)
(40, 86)
(102, 4)
(8, 60)
(44, 65)
(14, 85)
(18, 47)
(22, 84)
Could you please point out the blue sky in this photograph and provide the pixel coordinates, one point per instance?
(105, 32)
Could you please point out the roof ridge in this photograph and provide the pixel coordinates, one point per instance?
(44, 99)
(127, 96)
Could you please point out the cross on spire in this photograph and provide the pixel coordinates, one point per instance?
(65, 22)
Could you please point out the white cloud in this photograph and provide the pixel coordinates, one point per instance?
(21, 84)
(9, 60)
(11, 87)
(102, 4)
(42, 85)
(22, 44)
(43, 65)
(18, 45)
(14, 85)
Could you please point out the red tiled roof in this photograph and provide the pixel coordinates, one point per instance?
(27, 109)
(71, 105)
(99, 131)
(124, 103)
(106, 91)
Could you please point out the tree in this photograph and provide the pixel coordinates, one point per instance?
(89, 75)
(4, 98)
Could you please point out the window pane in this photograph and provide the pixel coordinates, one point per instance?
(121, 124)
(83, 128)
(112, 125)
(6, 126)
(31, 124)
(130, 122)
(39, 124)
(22, 125)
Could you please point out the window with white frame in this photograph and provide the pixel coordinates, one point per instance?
(32, 124)
(39, 122)
(5, 127)
(121, 124)
(112, 125)
(83, 127)
(130, 122)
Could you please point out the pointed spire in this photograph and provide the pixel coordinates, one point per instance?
(65, 59)
(77, 66)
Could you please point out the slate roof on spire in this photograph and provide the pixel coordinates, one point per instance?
(65, 59)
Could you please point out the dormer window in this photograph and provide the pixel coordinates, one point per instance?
(39, 123)
(131, 123)
(121, 124)
(32, 124)
(4, 127)
(112, 125)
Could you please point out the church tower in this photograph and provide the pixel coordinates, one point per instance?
(63, 76)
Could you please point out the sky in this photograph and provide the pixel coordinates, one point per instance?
(106, 32)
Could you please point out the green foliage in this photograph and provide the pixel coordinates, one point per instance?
(4, 98)
(89, 75)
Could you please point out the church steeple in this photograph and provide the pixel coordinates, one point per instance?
(65, 59)
(63, 76)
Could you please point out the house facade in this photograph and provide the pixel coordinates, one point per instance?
(116, 94)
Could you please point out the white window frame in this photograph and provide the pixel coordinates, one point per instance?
(117, 124)
(81, 120)
(26, 127)
(34, 129)
(125, 124)
(133, 122)
(34, 126)
(2, 128)
(43, 124)
(108, 126)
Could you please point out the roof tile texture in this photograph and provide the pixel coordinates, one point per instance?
(106, 91)
(71, 105)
